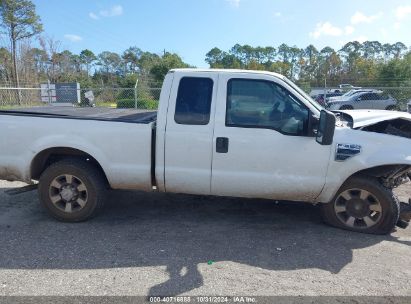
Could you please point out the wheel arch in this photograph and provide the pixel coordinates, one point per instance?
(378, 171)
(48, 156)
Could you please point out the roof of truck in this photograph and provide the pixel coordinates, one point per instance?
(227, 71)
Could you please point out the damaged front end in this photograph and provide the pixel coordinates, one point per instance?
(397, 127)
(390, 123)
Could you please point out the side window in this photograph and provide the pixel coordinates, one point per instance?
(365, 97)
(375, 96)
(193, 102)
(264, 104)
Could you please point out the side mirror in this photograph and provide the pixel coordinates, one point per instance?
(326, 128)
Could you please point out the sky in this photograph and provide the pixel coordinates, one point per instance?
(193, 27)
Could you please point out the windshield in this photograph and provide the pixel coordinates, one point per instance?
(304, 94)
(349, 93)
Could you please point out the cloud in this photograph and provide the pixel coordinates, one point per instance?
(396, 25)
(361, 39)
(73, 38)
(277, 14)
(348, 30)
(115, 10)
(326, 29)
(93, 16)
(234, 3)
(359, 17)
(402, 11)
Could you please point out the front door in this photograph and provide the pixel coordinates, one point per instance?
(365, 101)
(261, 143)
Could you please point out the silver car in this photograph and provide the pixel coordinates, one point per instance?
(364, 100)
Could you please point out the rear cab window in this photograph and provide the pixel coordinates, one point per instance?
(193, 102)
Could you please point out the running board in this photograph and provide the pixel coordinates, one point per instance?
(15, 191)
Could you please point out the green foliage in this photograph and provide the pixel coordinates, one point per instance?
(167, 62)
(144, 103)
(368, 63)
(126, 103)
(19, 18)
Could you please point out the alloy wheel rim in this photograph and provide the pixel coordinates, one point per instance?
(68, 193)
(358, 208)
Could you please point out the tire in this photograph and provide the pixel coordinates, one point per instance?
(72, 190)
(362, 204)
(346, 108)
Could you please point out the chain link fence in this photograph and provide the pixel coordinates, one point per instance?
(144, 98)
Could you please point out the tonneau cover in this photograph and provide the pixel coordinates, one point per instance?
(89, 113)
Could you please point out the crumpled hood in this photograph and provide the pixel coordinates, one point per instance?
(362, 118)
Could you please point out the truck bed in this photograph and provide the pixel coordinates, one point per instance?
(104, 114)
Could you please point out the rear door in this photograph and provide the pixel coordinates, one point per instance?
(379, 101)
(189, 133)
(365, 101)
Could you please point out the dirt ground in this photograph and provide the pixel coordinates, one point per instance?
(151, 244)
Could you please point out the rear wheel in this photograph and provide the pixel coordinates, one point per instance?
(72, 190)
(364, 205)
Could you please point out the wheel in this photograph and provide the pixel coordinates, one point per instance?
(364, 205)
(391, 108)
(72, 190)
(346, 108)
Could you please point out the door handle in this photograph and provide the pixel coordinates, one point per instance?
(221, 145)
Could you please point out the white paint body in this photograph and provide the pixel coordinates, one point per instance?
(260, 163)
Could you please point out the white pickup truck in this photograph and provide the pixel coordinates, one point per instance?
(217, 132)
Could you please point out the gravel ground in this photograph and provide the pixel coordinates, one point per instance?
(151, 244)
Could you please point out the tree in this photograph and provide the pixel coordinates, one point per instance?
(130, 57)
(214, 57)
(398, 48)
(87, 57)
(310, 66)
(168, 61)
(5, 63)
(110, 62)
(20, 21)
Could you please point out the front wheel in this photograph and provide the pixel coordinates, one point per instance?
(72, 190)
(364, 205)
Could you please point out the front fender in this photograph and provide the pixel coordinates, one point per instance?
(376, 150)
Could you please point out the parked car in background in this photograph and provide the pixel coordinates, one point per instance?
(354, 92)
(320, 98)
(364, 100)
(347, 86)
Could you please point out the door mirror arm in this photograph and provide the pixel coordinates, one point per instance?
(313, 122)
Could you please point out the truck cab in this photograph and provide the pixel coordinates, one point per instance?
(234, 133)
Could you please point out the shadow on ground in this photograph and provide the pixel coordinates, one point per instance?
(176, 231)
